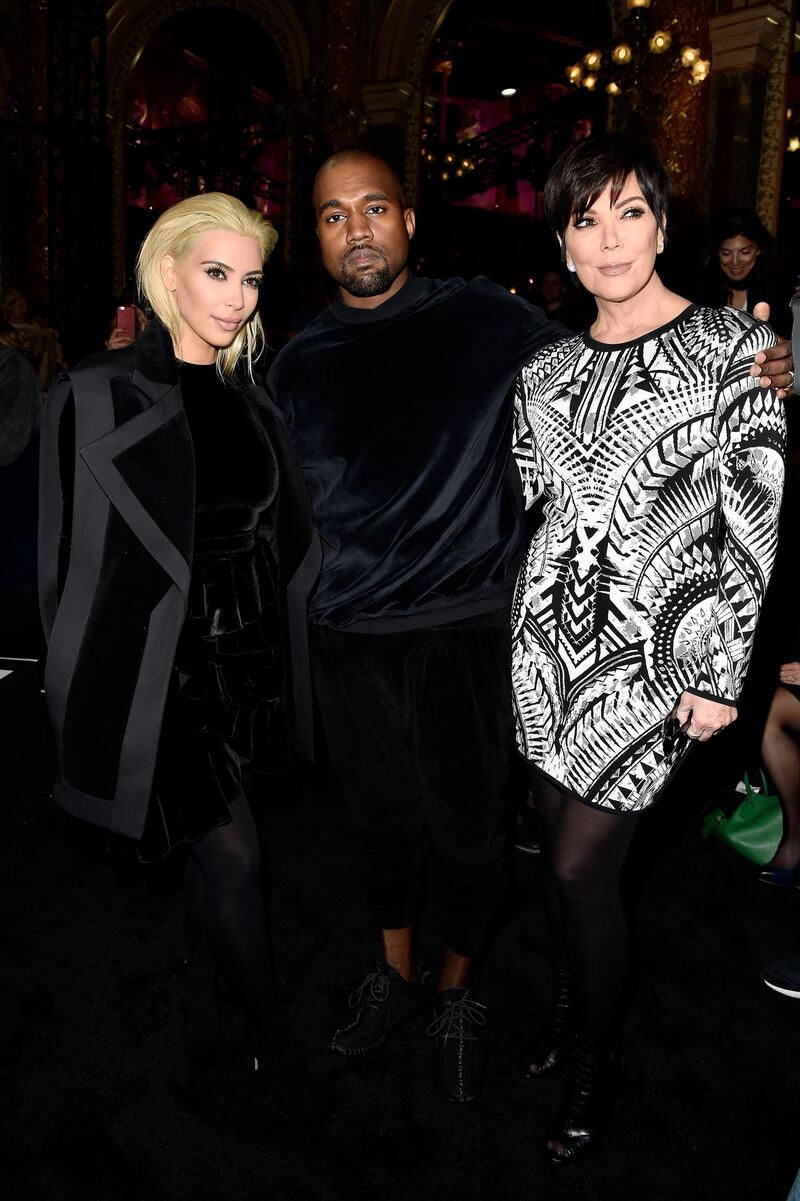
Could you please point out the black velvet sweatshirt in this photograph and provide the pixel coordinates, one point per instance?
(402, 419)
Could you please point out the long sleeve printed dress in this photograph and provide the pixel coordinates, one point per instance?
(660, 466)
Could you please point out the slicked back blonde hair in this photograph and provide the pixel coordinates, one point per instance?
(175, 233)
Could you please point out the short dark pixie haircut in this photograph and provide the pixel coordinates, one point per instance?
(582, 172)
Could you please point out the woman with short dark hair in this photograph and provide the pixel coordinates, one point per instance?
(660, 463)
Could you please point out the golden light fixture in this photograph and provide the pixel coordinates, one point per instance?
(794, 144)
(700, 70)
(641, 39)
(638, 4)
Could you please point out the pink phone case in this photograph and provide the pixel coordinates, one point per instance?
(126, 319)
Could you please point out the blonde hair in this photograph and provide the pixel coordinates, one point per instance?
(175, 233)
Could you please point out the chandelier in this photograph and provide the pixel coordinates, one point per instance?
(621, 66)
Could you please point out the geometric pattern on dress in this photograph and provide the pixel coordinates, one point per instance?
(660, 465)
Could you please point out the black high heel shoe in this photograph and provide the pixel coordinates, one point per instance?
(555, 1043)
(592, 1086)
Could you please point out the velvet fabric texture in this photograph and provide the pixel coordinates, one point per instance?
(224, 704)
(116, 535)
(401, 416)
(426, 716)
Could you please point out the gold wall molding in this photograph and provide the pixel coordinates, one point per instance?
(774, 134)
(399, 56)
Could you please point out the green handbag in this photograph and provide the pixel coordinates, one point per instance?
(753, 828)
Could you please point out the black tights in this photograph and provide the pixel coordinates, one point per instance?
(228, 932)
(585, 849)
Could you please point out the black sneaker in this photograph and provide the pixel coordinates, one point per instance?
(382, 1001)
(457, 1026)
(784, 976)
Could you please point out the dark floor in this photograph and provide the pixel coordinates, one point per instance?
(98, 1105)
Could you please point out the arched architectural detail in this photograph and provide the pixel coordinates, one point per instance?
(398, 60)
(401, 48)
(131, 25)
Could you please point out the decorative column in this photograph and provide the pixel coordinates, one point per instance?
(751, 60)
(340, 92)
(680, 133)
(663, 96)
(36, 98)
(391, 106)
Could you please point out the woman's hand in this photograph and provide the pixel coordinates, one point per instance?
(701, 719)
(118, 340)
(789, 673)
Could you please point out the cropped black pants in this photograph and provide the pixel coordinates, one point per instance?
(419, 728)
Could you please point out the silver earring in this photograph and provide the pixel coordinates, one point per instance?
(570, 266)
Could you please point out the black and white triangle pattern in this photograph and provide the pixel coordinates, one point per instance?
(660, 464)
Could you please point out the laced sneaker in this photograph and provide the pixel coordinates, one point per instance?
(457, 1026)
(381, 1002)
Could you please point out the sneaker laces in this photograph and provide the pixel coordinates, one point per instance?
(456, 1017)
(376, 984)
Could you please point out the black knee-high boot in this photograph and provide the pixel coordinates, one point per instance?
(593, 1081)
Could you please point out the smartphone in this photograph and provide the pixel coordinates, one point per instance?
(126, 319)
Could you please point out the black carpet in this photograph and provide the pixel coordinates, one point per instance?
(97, 1102)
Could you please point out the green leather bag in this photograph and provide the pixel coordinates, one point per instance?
(753, 827)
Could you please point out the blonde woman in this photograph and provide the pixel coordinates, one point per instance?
(164, 560)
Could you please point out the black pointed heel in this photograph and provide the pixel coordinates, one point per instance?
(552, 1050)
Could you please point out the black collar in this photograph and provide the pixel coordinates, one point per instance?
(154, 357)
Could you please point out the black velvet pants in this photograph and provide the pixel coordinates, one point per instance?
(419, 728)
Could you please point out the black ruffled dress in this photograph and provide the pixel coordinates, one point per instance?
(224, 703)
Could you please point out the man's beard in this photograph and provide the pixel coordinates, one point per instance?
(374, 282)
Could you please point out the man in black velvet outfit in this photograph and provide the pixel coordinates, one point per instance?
(399, 400)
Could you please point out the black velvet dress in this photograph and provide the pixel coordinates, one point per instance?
(224, 703)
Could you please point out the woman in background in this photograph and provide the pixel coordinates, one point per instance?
(738, 265)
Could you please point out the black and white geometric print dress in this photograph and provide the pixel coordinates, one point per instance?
(660, 465)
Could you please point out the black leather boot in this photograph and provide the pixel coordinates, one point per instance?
(592, 1085)
(555, 1042)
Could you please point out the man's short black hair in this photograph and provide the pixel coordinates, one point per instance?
(351, 154)
(582, 172)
